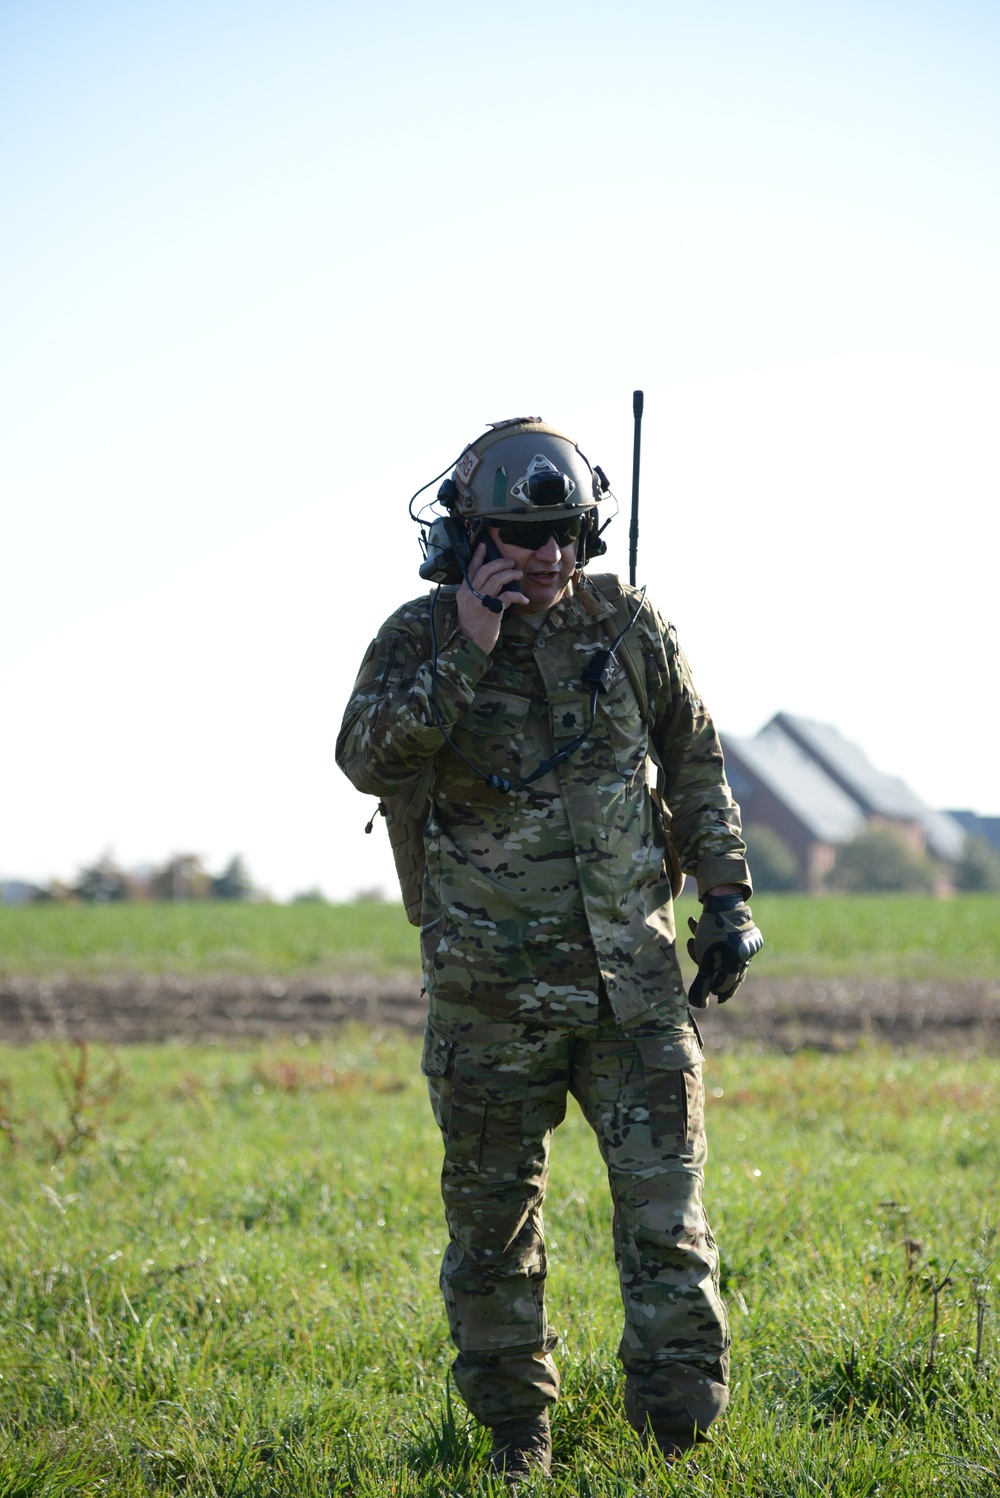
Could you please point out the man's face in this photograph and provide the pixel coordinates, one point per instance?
(546, 568)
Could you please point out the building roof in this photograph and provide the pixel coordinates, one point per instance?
(824, 810)
(988, 828)
(874, 792)
(17, 892)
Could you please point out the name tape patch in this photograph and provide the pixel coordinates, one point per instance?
(466, 466)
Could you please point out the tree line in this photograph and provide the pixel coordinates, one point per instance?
(878, 859)
(181, 877)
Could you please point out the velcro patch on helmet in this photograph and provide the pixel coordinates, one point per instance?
(466, 466)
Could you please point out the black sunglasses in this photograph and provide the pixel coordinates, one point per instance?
(531, 534)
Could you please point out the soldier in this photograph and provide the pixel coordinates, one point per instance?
(512, 716)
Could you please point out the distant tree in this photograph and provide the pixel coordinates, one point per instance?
(373, 896)
(881, 858)
(773, 865)
(314, 896)
(102, 883)
(979, 867)
(234, 883)
(182, 877)
(56, 892)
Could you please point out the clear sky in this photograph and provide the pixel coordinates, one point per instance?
(265, 269)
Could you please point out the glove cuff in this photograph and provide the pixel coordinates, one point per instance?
(717, 904)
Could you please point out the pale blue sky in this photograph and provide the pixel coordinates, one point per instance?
(264, 270)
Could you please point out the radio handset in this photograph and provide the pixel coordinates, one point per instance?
(493, 555)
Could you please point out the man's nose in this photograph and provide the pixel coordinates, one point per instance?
(549, 552)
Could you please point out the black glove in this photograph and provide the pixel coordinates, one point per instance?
(725, 938)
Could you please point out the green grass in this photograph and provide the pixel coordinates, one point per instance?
(214, 936)
(890, 936)
(233, 1291)
(906, 936)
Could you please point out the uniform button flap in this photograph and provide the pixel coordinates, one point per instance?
(674, 1050)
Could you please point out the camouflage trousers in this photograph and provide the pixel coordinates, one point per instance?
(498, 1089)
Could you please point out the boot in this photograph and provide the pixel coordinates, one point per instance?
(521, 1448)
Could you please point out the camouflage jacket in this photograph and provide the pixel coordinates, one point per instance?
(533, 896)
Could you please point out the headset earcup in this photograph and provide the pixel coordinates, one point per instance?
(461, 544)
(592, 543)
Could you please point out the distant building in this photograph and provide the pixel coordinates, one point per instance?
(815, 789)
(881, 797)
(777, 785)
(18, 892)
(987, 828)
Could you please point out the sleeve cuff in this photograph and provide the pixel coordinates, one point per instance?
(466, 657)
(724, 870)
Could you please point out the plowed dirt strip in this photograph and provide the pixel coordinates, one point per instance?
(839, 1014)
(786, 1014)
(225, 1008)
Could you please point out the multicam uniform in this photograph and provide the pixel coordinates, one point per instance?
(549, 956)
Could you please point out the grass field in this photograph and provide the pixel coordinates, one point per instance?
(214, 936)
(902, 936)
(232, 1290)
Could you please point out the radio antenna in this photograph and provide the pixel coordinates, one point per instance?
(633, 534)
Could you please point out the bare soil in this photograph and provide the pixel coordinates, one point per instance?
(829, 1014)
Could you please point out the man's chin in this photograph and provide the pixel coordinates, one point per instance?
(541, 598)
(543, 594)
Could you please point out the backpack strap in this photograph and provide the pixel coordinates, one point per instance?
(629, 652)
(631, 656)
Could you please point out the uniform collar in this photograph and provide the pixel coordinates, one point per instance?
(583, 605)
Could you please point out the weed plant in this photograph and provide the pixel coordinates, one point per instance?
(229, 1286)
(892, 936)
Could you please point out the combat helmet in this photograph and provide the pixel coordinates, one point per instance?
(523, 467)
(520, 467)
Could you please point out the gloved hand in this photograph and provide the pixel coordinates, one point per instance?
(724, 940)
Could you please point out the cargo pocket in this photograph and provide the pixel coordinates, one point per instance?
(437, 1053)
(486, 1123)
(674, 1094)
(435, 1063)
